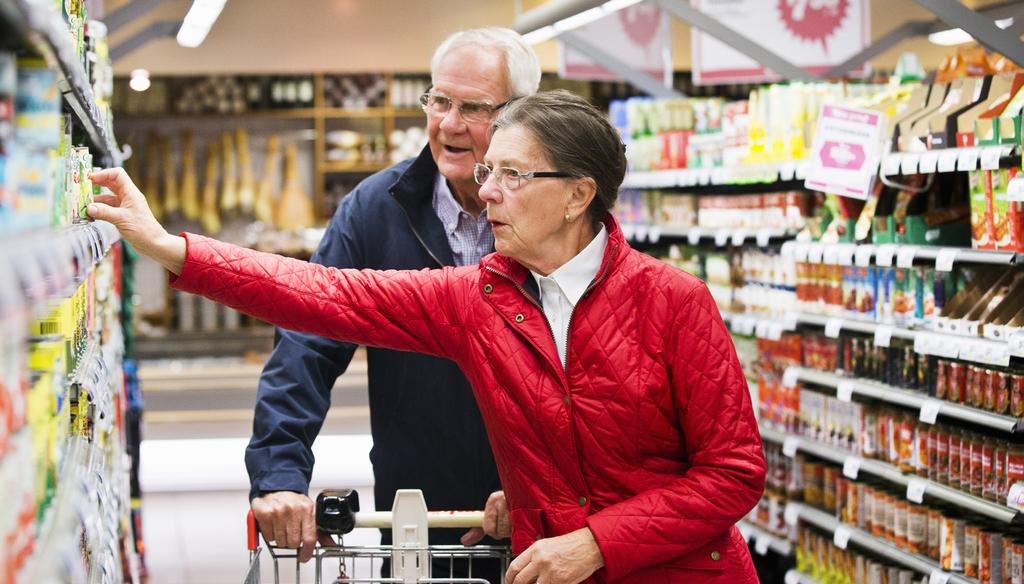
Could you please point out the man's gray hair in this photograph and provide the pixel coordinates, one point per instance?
(522, 69)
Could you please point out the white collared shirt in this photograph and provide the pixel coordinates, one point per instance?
(563, 288)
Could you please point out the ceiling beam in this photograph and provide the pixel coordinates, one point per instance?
(637, 78)
(981, 27)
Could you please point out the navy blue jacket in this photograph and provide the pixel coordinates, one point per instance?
(426, 427)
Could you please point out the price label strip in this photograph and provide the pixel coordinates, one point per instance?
(790, 445)
(929, 162)
(844, 391)
(884, 254)
(883, 336)
(841, 536)
(948, 160)
(916, 489)
(833, 327)
(693, 235)
(761, 545)
(944, 260)
(792, 514)
(930, 411)
(905, 257)
(851, 467)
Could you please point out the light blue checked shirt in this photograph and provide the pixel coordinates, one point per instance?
(470, 239)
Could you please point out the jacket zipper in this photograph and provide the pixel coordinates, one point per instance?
(568, 337)
(415, 232)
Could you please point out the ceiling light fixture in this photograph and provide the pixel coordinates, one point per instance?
(958, 36)
(198, 21)
(577, 20)
(139, 80)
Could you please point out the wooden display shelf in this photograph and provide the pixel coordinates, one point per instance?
(338, 167)
(334, 113)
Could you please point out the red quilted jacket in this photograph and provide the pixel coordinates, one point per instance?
(648, 437)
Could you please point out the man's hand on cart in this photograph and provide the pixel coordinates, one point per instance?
(566, 559)
(288, 519)
(497, 523)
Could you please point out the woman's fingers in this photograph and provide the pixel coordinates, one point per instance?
(117, 180)
(111, 200)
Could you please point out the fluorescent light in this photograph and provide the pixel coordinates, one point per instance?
(198, 21)
(958, 36)
(139, 80)
(577, 20)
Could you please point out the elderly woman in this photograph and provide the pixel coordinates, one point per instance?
(617, 409)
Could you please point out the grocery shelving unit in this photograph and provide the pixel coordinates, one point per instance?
(753, 179)
(870, 543)
(891, 474)
(794, 577)
(43, 28)
(763, 540)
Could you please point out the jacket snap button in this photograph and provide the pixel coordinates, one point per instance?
(565, 399)
(520, 318)
(715, 556)
(488, 288)
(583, 501)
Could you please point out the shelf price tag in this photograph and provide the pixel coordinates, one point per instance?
(923, 344)
(938, 577)
(947, 160)
(801, 170)
(990, 157)
(629, 231)
(929, 410)
(739, 236)
(763, 237)
(654, 234)
(790, 321)
(851, 467)
(863, 255)
(1016, 342)
(884, 254)
(891, 164)
(1015, 188)
(929, 162)
(832, 327)
(775, 330)
(944, 260)
(831, 256)
(967, 159)
(800, 250)
(761, 544)
(693, 235)
(905, 256)
(915, 490)
(641, 232)
(787, 171)
(704, 176)
(844, 390)
(841, 536)
(790, 445)
(846, 253)
(815, 253)
(883, 335)
(792, 577)
(909, 163)
(721, 237)
(761, 331)
(792, 513)
(791, 376)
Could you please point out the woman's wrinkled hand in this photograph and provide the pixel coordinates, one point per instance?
(566, 559)
(126, 209)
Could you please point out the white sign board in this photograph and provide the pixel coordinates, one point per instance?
(813, 34)
(846, 148)
(640, 36)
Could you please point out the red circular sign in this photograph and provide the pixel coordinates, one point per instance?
(813, 20)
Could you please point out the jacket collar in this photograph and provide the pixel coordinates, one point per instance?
(414, 193)
(612, 256)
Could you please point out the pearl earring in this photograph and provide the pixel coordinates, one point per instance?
(567, 217)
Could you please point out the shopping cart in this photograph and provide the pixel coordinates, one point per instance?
(412, 559)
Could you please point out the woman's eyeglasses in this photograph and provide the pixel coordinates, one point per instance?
(511, 178)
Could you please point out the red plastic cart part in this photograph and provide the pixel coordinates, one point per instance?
(252, 531)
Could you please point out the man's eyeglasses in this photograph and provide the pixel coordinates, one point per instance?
(472, 112)
(511, 178)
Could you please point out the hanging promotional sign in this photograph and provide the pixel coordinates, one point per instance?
(846, 151)
(639, 36)
(813, 34)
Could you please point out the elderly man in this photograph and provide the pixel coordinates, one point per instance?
(421, 213)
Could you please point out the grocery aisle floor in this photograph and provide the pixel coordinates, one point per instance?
(197, 424)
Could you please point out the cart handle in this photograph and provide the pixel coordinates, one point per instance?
(442, 519)
(253, 531)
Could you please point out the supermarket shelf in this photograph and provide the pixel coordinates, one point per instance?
(885, 255)
(909, 399)
(723, 237)
(763, 540)
(951, 160)
(299, 113)
(940, 344)
(343, 167)
(892, 474)
(345, 113)
(408, 112)
(61, 258)
(48, 33)
(880, 547)
(794, 577)
(741, 179)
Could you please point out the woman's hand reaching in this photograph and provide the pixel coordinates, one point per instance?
(127, 209)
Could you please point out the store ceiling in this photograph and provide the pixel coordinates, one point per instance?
(268, 36)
